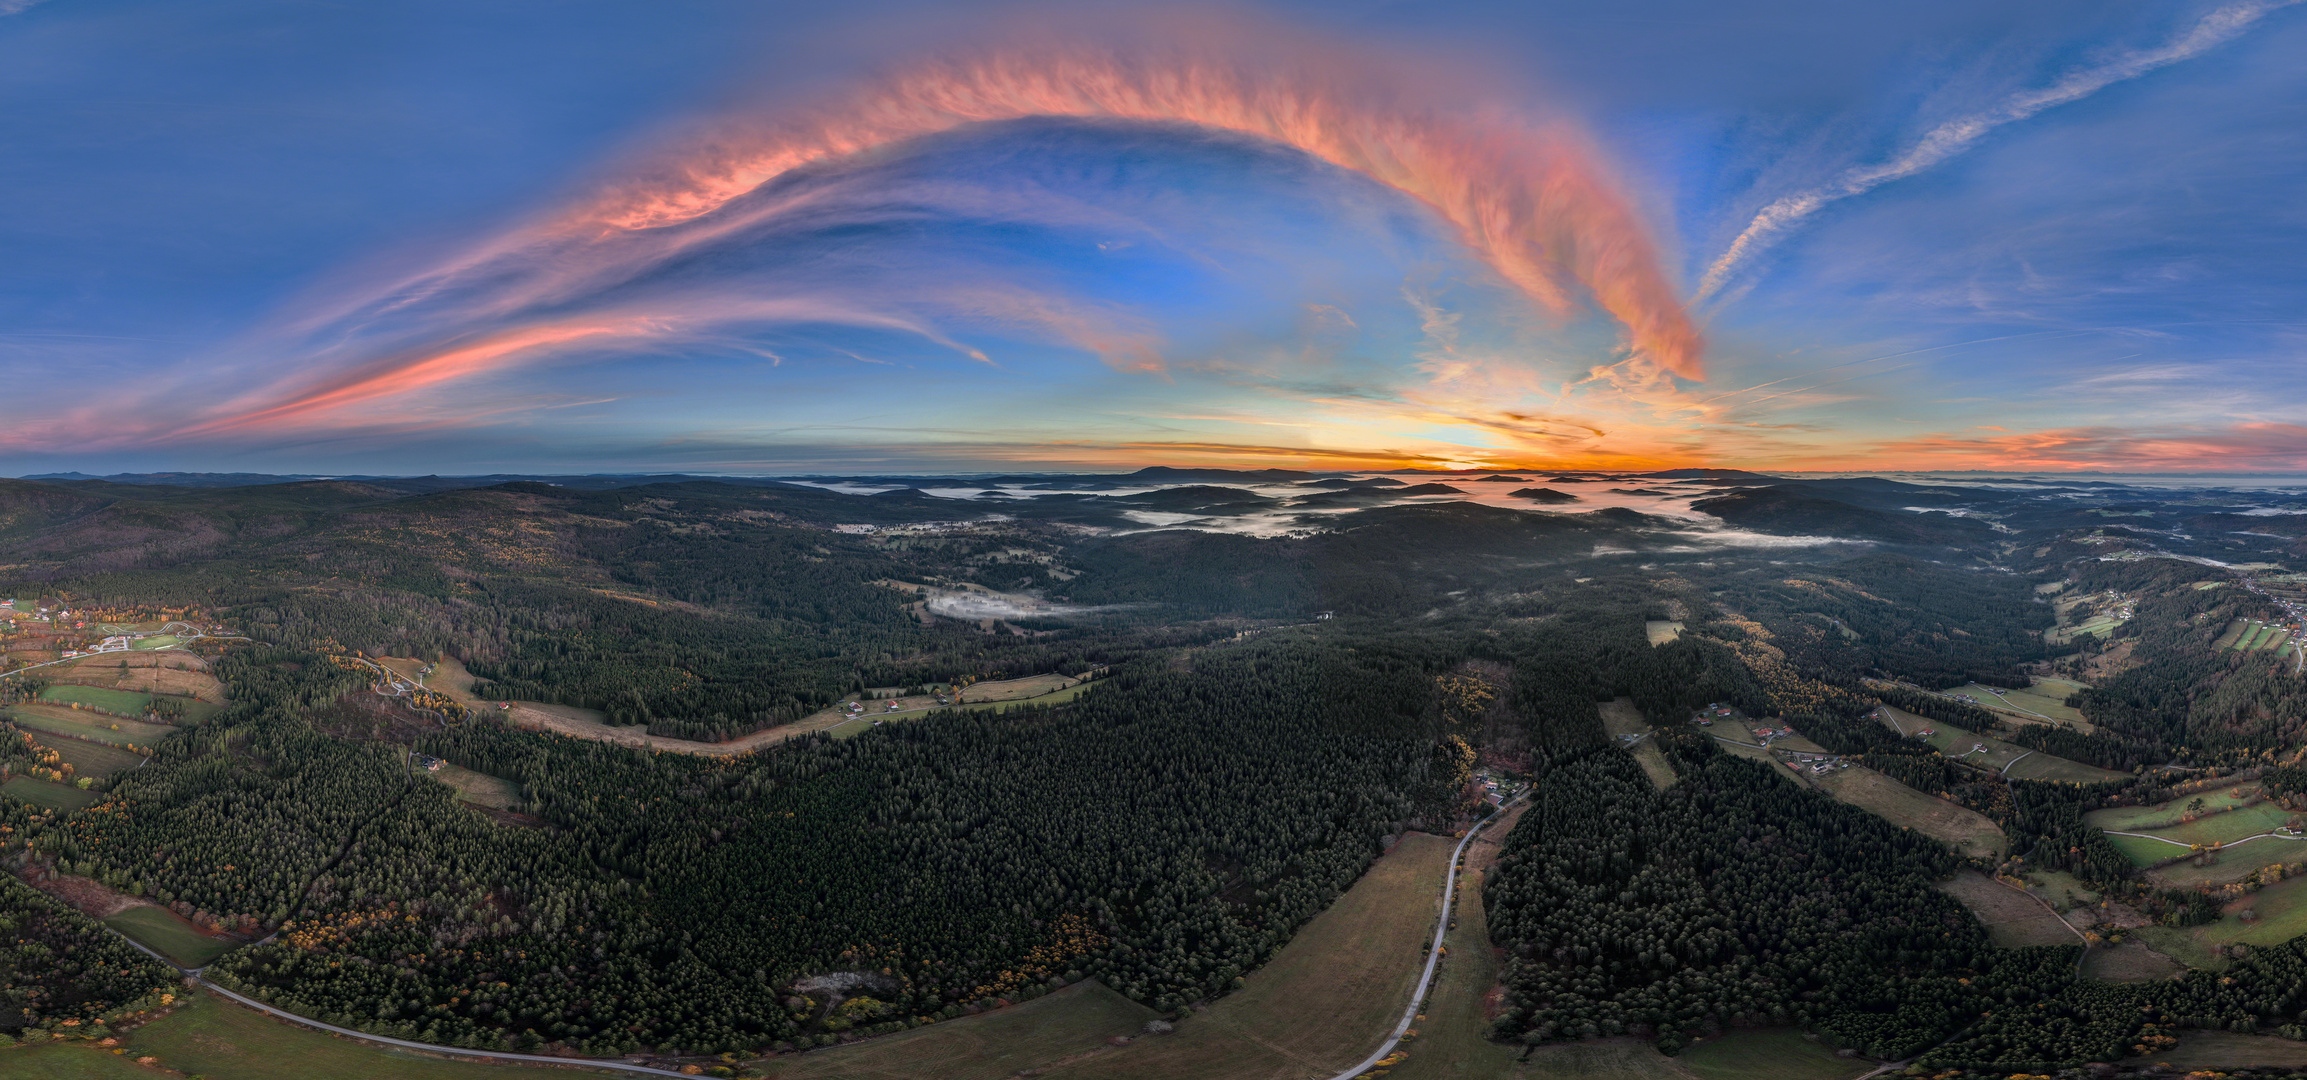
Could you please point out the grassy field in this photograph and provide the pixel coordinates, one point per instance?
(1323, 1003)
(162, 641)
(55, 797)
(151, 673)
(2232, 634)
(75, 1060)
(2278, 639)
(1620, 717)
(1047, 697)
(2226, 1050)
(2131, 961)
(1956, 743)
(124, 702)
(480, 788)
(1661, 631)
(94, 759)
(57, 720)
(215, 1038)
(1031, 686)
(162, 930)
(2046, 700)
(1076, 1020)
(1768, 1055)
(1969, 832)
(2012, 918)
(2155, 816)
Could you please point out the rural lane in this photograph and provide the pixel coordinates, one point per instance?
(1433, 952)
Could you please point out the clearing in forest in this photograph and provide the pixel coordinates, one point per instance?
(2199, 1050)
(1622, 720)
(1662, 631)
(163, 930)
(1321, 1004)
(479, 788)
(2012, 918)
(1967, 831)
(2246, 831)
(2131, 961)
(41, 793)
(93, 759)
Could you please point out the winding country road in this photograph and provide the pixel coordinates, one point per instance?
(1433, 951)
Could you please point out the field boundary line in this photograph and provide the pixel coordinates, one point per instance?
(1434, 950)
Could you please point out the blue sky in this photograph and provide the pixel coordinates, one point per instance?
(403, 238)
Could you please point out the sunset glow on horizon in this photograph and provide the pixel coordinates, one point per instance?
(773, 241)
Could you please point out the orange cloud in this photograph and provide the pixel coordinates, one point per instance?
(1530, 199)
(2244, 447)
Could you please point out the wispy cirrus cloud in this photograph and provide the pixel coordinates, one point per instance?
(1953, 137)
(1527, 196)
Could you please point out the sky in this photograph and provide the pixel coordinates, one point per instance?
(883, 237)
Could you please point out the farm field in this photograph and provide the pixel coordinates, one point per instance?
(160, 929)
(1969, 832)
(2232, 634)
(1076, 1020)
(122, 702)
(2234, 861)
(80, 725)
(145, 673)
(212, 1037)
(162, 641)
(2148, 818)
(2012, 919)
(1620, 717)
(52, 796)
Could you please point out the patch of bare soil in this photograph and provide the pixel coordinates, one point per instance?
(1483, 852)
(87, 896)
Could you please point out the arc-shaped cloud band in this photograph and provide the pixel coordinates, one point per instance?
(1530, 199)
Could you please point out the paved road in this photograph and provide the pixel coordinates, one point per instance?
(490, 1055)
(2228, 844)
(1433, 952)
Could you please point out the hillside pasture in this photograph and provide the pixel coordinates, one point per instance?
(1621, 718)
(2044, 702)
(1967, 831)
(1321, 1004)
(2013, 919)
(1076, 1020)
(2016, 762)
(1031, 686)
(2131, 961)
(164, 931)
(150, 673)
(81, 725)
(41, 793)
(2232, 634)
(116, 702)
(94, 759)
(210, 1036)
(2200, 1050)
